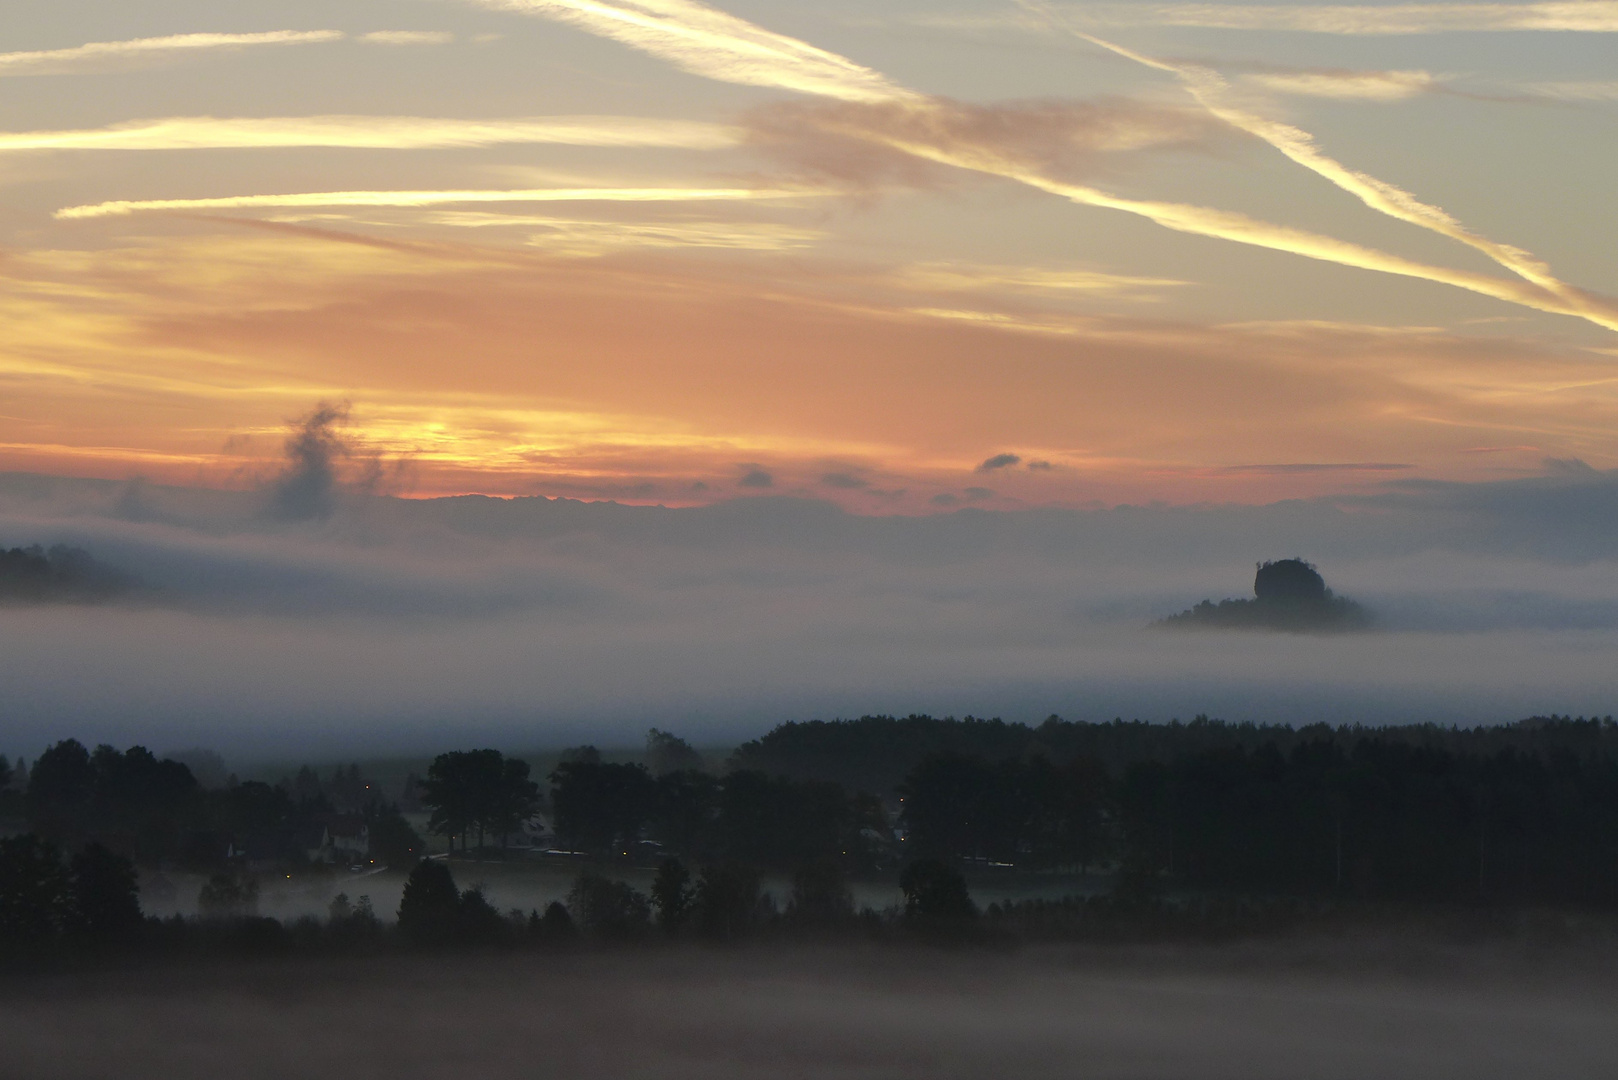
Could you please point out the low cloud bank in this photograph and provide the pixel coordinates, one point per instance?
(550, 621)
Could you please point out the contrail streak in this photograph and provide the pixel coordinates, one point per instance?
(433, 198)
(1226, 225)
(1208, 87)
(55, 60)
(375, 132)
(713, 43)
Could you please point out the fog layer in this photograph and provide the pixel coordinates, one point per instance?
(425, 623)
(774, 1013)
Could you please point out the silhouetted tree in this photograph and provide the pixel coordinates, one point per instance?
(463, 788)
(258, 820)
(105, 895)
(601, 807)
(685, 809)
(728, 900)
(936, 893)
(348, 790)
(955, 805)
(779, 822)
(429, 909)
(556, 925)
(35, 890)
(667, 753)
(477, 920)
(820, 894)
(672, 895)
(479, 789)
(141, 806)
(607, 908)
(512, 801)
(61, 792)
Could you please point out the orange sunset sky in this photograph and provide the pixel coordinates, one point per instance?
(906, 257)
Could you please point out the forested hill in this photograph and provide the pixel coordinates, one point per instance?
(875, 753)
(34, 575)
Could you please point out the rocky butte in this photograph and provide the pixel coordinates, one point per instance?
(1288, 595)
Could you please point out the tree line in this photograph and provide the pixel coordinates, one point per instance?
(1185, 814)
(153, 811)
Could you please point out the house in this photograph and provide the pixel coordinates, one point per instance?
(344, 838)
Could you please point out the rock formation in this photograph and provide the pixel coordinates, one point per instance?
(1288, 595)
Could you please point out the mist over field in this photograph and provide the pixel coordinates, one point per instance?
(357, 617)
(1298, 1011)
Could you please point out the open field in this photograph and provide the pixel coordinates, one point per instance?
(1374, 1009)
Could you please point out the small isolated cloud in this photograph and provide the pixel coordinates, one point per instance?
(307, 489)
(755, 477)
(944, 498)
(408, 37)
(999, 461)
(1040, 466)
(976, 493)
(1383, 86)
(842, 480)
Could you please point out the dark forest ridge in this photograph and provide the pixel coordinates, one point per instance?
(873, 753)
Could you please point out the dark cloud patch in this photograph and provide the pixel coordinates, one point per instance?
(944, 498)
(1570, 467)
(306, 490)
(844, 481)
(999, 461)
(856, 144)
(977, 493)
(755, 477)
(1040, 466)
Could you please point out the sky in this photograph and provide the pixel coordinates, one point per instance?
(279, 278)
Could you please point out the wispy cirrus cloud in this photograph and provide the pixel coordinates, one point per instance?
(1380, 86)
(713, 43)
(375, 132)
(103, 54)
(1574, 91)
(408, 37)
(435, 198)
(1587, 16)
(960, 277)
(709, 42)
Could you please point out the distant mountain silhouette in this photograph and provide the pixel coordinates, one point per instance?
(33, 575)
(1288, 594)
